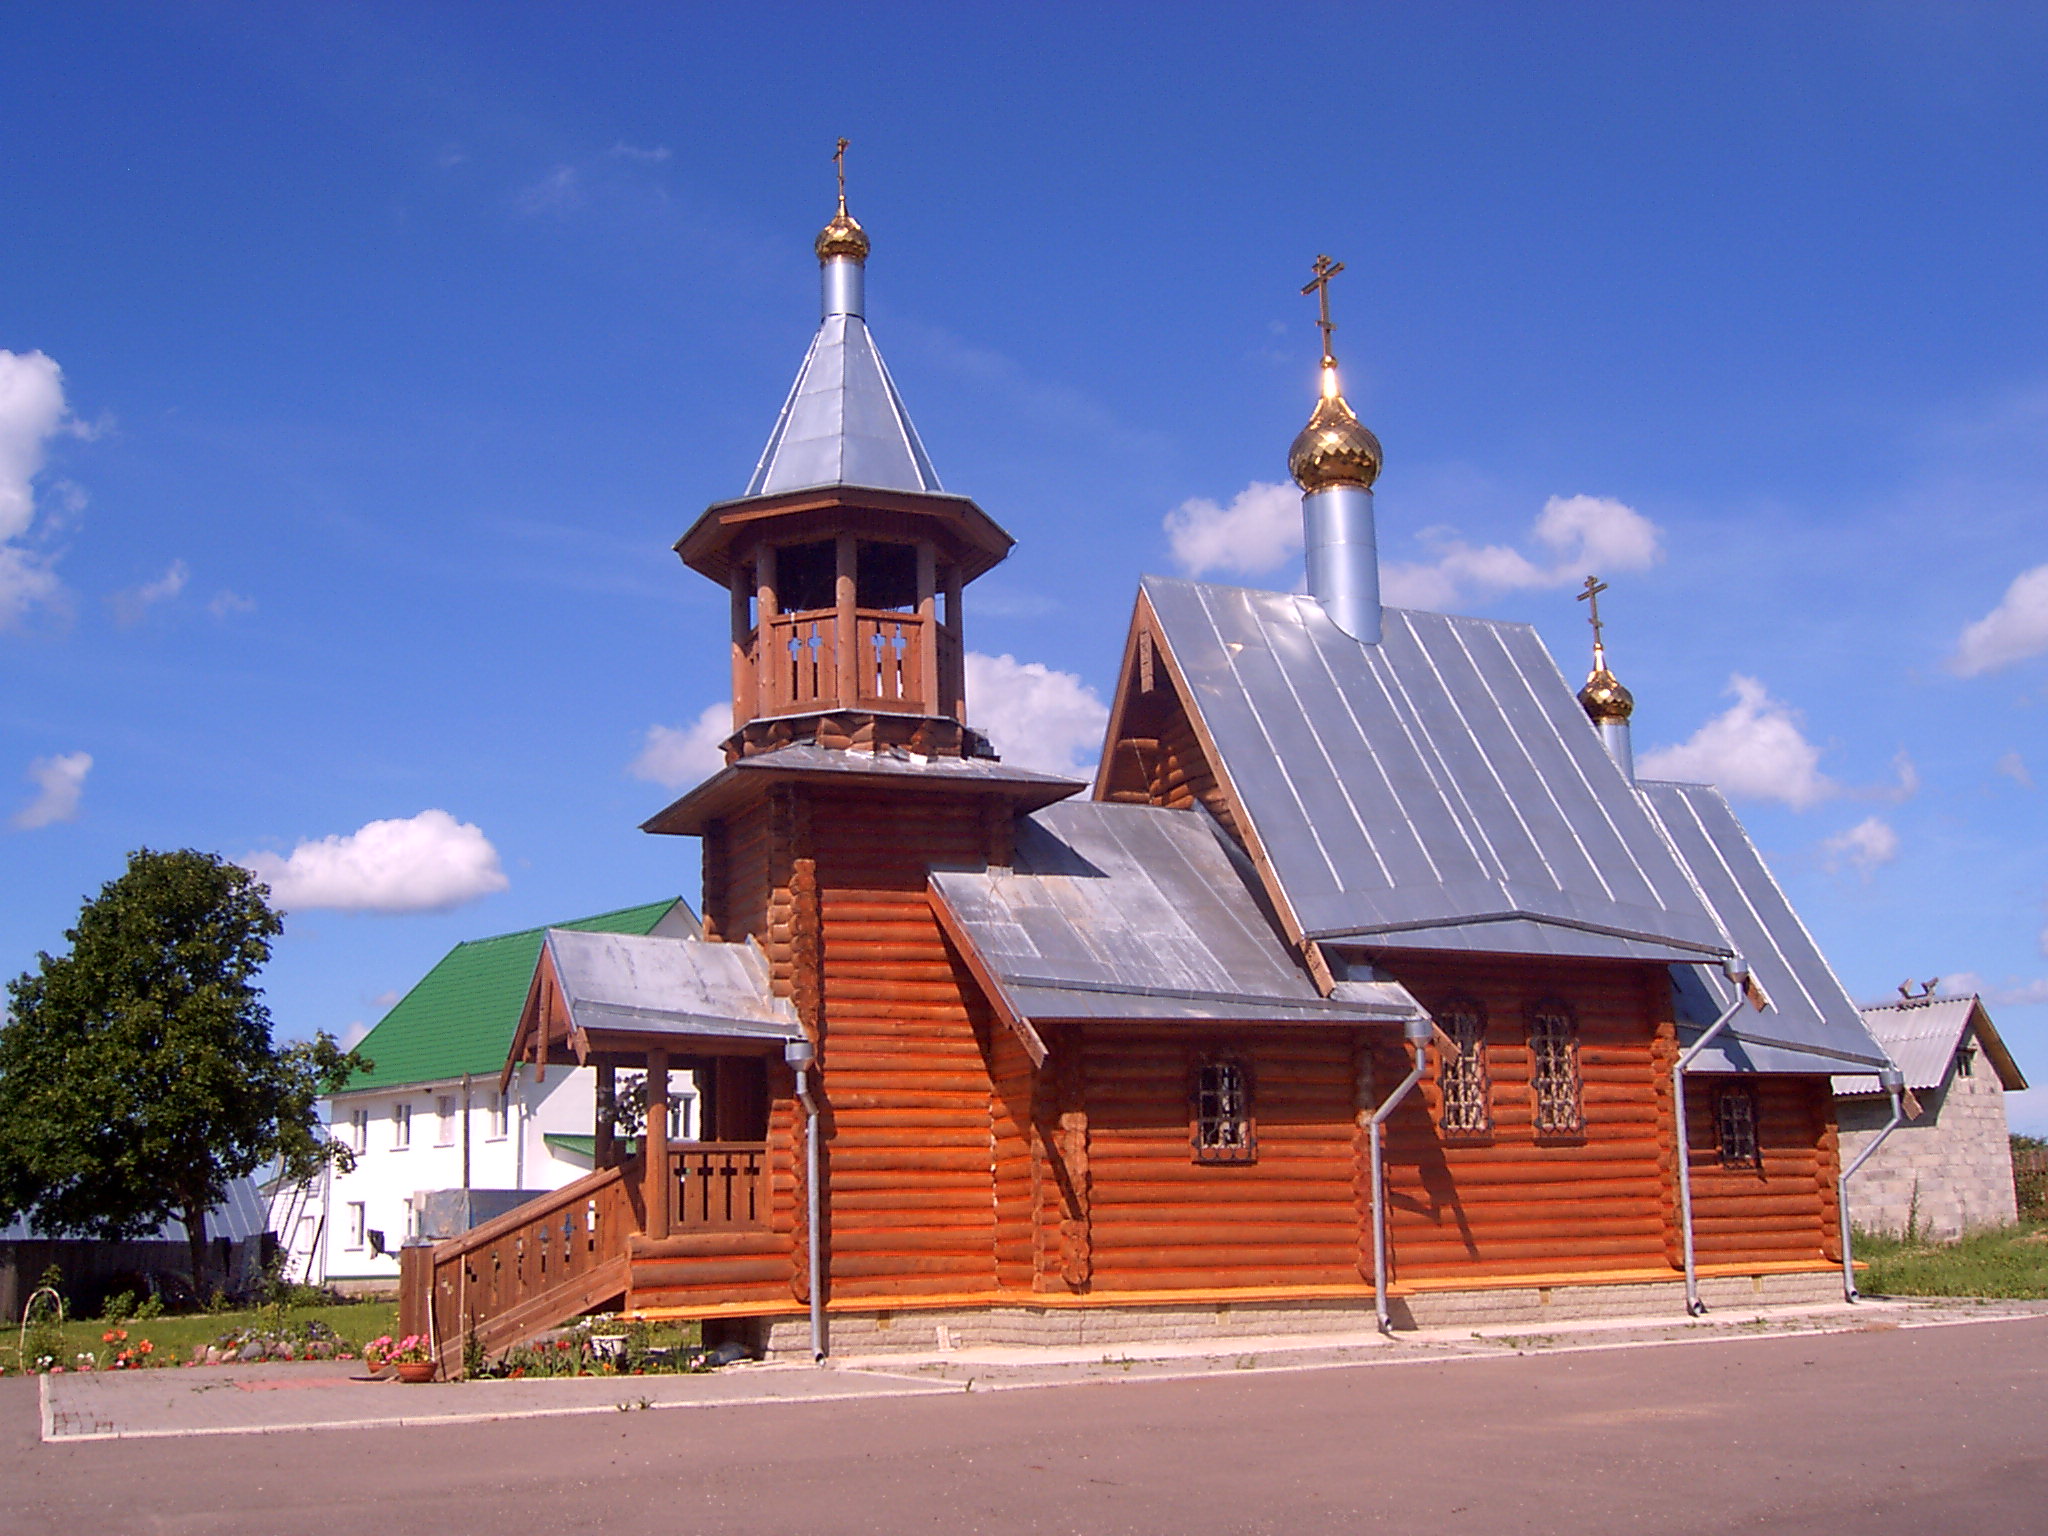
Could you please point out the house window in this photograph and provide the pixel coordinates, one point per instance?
(355, 1224)
(1966, 1062)
(1467, 1088)
(497, 1129)
(444, 1120)
(1554, 1070)
(359, 1130)
(1222, 1131)
(401, 1125)
(1735, 1117)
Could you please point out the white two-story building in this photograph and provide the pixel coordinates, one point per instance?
(434, 1140)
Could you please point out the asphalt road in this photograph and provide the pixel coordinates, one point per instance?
(1934, 1431)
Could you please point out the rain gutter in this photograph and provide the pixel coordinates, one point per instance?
(1894, 1082)
(1416, 1030)
(1736, 969)
(801, 1055)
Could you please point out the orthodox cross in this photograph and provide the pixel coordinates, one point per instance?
(1591, 598)
(1319, 285)
(839, 163)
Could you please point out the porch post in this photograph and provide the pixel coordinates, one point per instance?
(655, 1144)
(607, 1088)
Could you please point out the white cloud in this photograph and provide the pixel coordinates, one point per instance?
(1036, 717)
(1909, 778)
(59, 781)
(1576, 536)
(31, 413)
(132, 605)
(2014, 767)
(1259, 531)
(1863, 847)
(429, 863)
(2013, 631)
(1754, 750)
(225, 602)
(2015, 993)
(648, 156)
(673, 756)
(352, 1036)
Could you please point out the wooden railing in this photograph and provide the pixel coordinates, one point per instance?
(718, 1186)
(555, 1257)
(801, 667)
(799, 664)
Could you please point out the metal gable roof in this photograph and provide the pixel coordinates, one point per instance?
(460, 1016)
(1810, 1023)
(843, 423)
(1923, 1038)
(1137, 912)
(1439, 789)
(643, 985)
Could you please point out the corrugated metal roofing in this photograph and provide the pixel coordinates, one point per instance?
(1443, 777)
(1136, 912)
(242, 1214)
(690, 986)
(460, 1016)
(1923, 1039)
(1811, 1021)
(843, 423)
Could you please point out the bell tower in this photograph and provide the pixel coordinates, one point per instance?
(846, 558)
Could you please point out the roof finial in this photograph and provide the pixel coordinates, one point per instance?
(843, 236)
(1603, 697)
(1334, 448)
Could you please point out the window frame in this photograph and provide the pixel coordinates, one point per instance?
(401, 1125)
(1208, 1144)
(1556, 1075)
(1728, 1137)
(359, 1130)
(356, 1237)
(446, 1112)
(1467, 1074)
(495, 1126)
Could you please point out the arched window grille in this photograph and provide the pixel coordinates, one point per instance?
(1222, 1131)
(1463, 1079)
(1735, 1119)
(1554, 1069)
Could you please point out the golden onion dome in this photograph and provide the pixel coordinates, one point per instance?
(842, 237)
(1335, 448)
(1604, 698)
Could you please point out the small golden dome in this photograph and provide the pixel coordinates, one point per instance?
(1604, 698)
(842, 237)
(1335, 448)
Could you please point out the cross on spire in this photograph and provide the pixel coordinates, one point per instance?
(1591, 598)
(839, 164)
(1319, 285)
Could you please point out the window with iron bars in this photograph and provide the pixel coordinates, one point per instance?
(1222, 1131)
(1463, 1080)
(1554, 1070)
(1735, 1118)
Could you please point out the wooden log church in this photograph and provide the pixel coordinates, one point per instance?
(1365, 982)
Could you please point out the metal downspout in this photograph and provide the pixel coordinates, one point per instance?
(800, 1055)
(1736, 969)
(1416, 1032)
(1894, 1084)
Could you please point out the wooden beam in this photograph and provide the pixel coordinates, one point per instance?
(846, 593)
(655, 1141)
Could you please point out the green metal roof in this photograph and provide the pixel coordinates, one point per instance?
(460, 1016)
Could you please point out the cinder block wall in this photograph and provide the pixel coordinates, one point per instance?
(1948, 1172)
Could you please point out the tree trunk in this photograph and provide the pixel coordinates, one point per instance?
(195, 1238)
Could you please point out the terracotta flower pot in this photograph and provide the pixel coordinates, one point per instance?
(415, 1370)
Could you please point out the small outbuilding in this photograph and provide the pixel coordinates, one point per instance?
(1948, 1169)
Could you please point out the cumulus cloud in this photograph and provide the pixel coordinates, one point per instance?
(1755, 750)
(674, 756)
(1863, 847)
(59, 782)
(2013, 631)
(1573, 535)
(1034, 716)
(1258, 532)
(2014, 767)
(31, 413)
(2014, 993)
(428, 863)
(131, 606)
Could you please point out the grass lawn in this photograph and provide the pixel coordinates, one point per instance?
(176, 1338)
(2007, 1262)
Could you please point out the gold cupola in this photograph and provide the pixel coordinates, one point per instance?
(842, 235)
(1335, 448)
(1606, 703)
(1604, 698)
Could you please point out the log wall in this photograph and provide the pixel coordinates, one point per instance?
(1784, 1209)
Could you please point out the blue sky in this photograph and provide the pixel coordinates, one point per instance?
(363, 363)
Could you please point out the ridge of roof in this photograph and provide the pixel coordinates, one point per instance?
(458, 1018)
(843, 423)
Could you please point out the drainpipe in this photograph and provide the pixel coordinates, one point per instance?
(1736, 969)
(800, 1054)
(1894, 1084)
(1416, 1031)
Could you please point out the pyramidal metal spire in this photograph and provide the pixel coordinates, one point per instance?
(843, 423)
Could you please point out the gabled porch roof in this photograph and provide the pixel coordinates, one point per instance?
(616, 994)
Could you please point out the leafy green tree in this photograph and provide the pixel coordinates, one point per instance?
(138, 1077)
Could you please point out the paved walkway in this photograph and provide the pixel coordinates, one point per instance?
(264, 1399)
